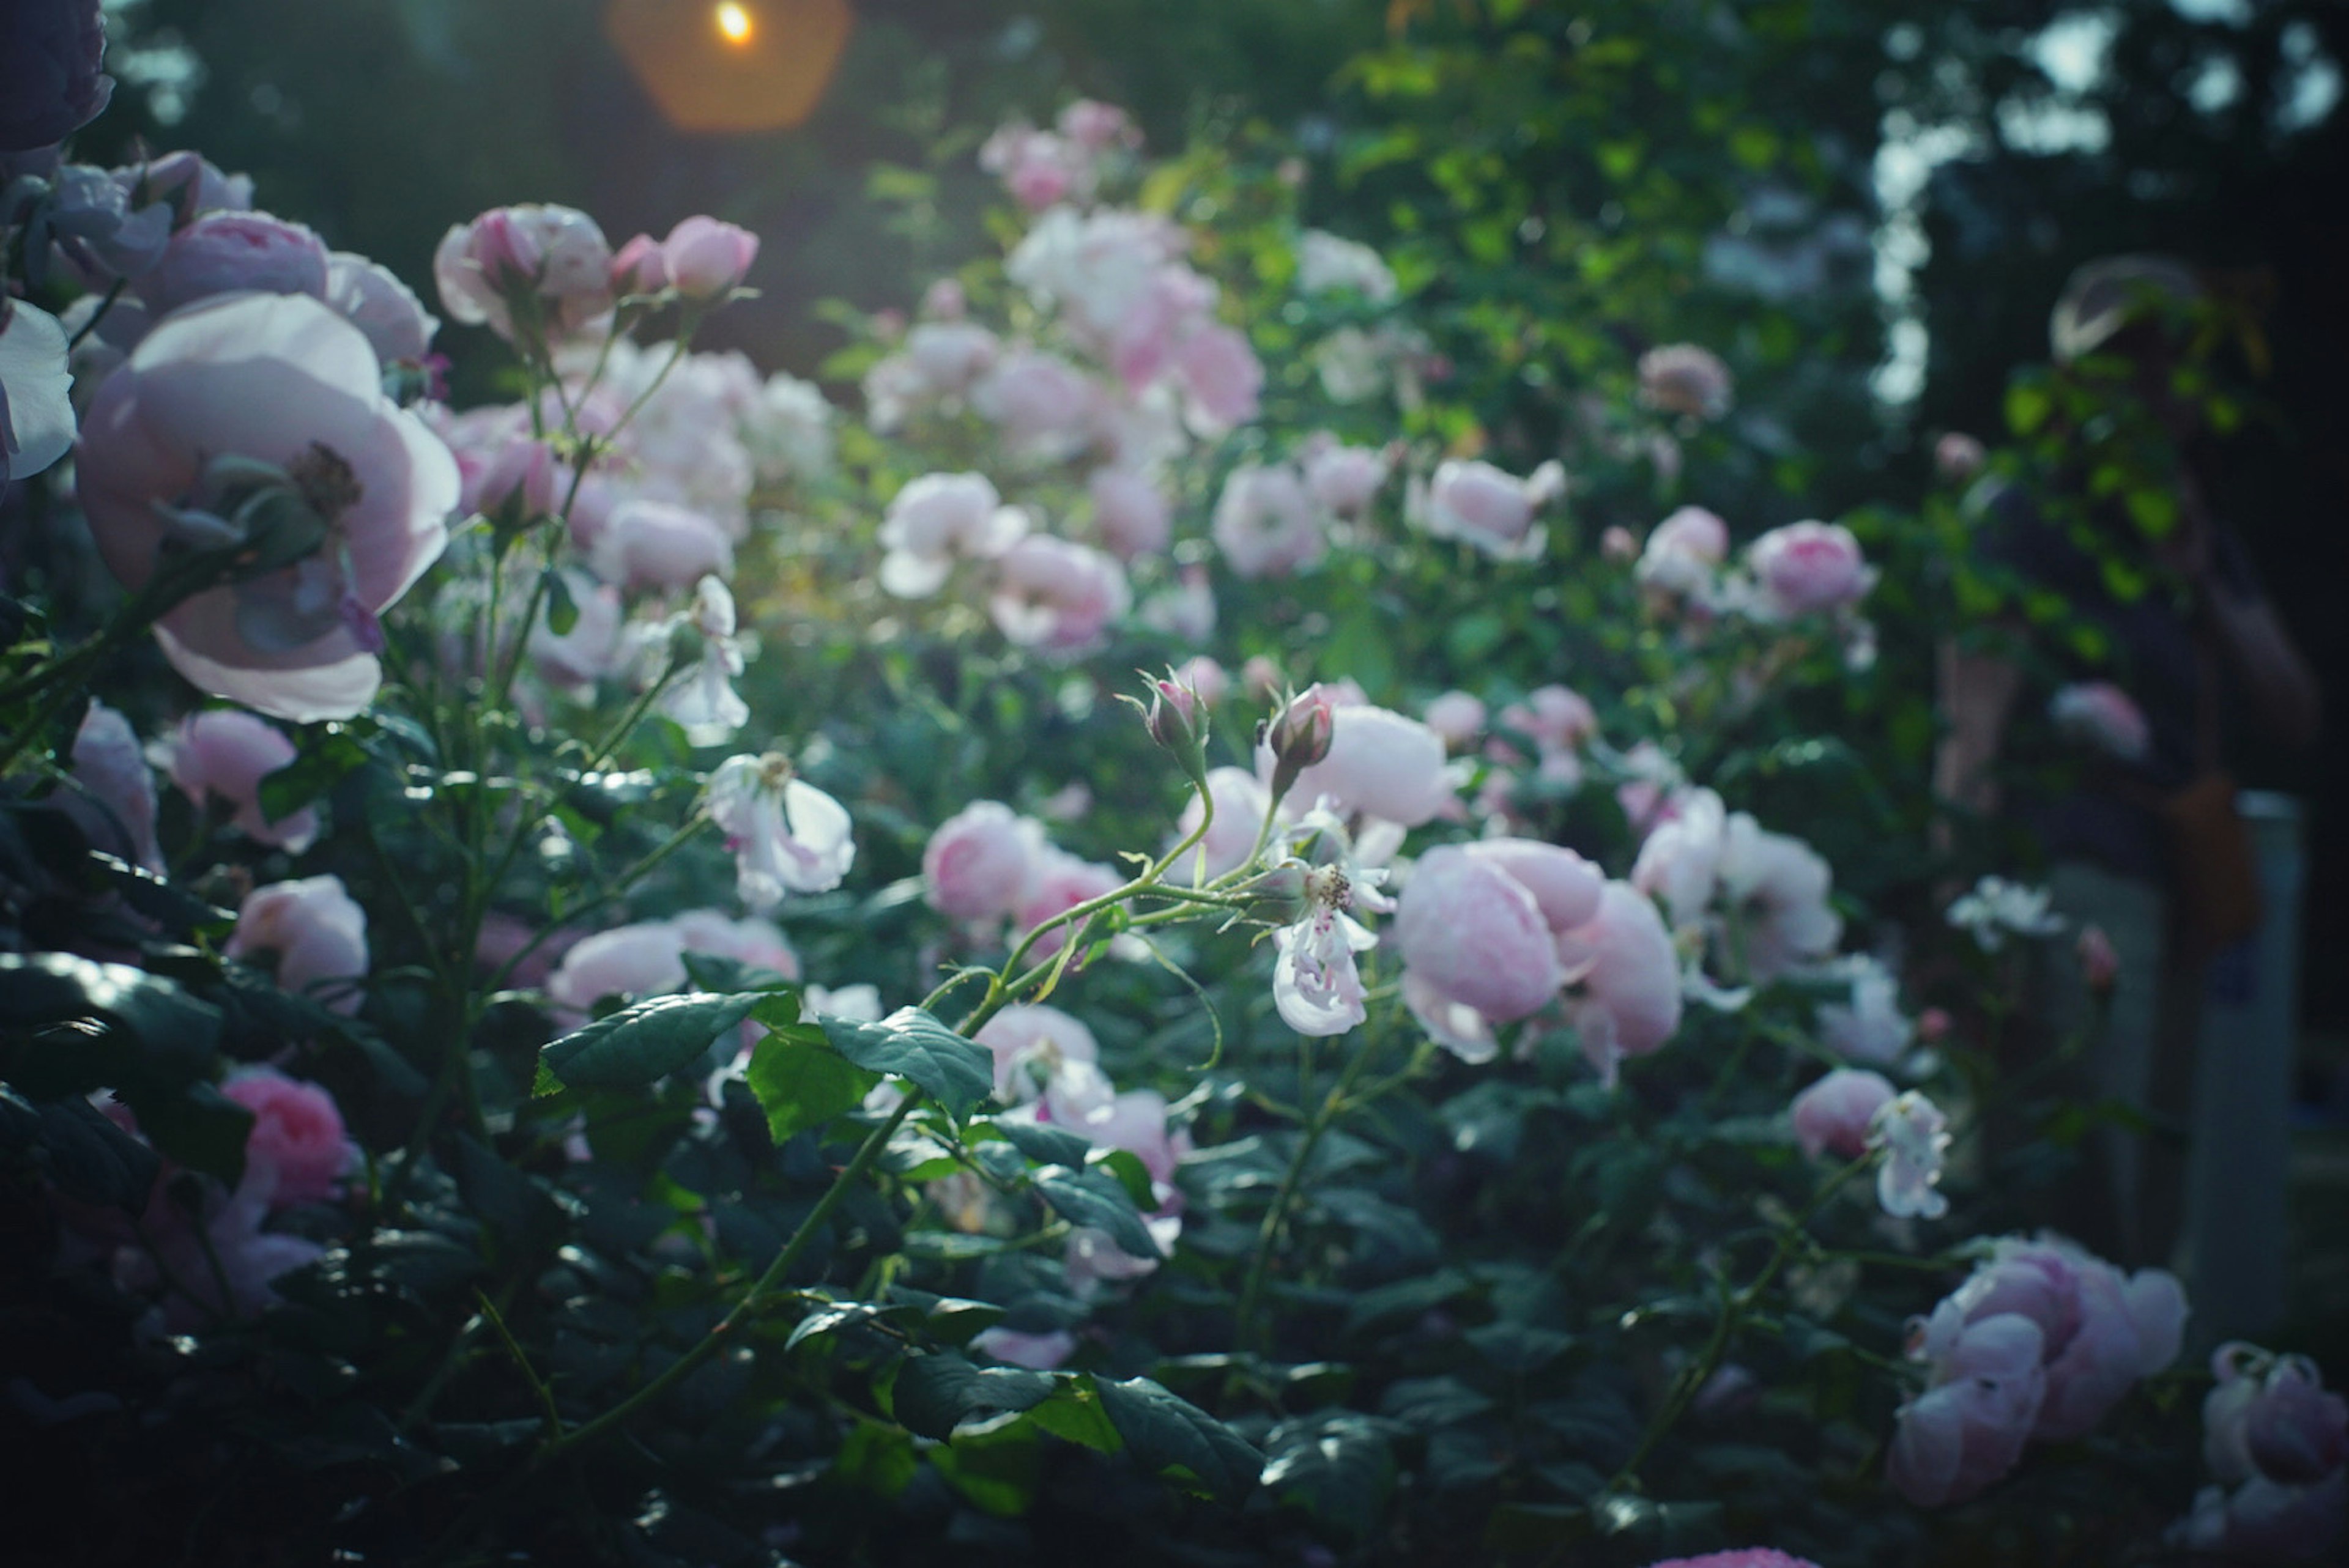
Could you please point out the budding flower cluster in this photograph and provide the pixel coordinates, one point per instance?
(1300, 736)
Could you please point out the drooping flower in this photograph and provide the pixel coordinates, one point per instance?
(787, 835)
(705, 703)
(247, 394)
(1314, 984)
(1914, 1135)
(1834, 1114)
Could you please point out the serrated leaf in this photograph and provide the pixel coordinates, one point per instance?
(636, 1044)
(910, 1044)
(1097, 1199)
(801, 1082)
(1170, 1435)
(934, 1394)
(1076, 1413)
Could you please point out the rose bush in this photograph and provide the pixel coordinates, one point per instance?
(715, 1036)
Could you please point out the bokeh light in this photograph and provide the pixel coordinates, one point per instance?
(735, 66)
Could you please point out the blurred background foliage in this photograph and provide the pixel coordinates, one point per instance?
(1864, 206)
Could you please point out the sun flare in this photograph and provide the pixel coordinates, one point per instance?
(735, 22)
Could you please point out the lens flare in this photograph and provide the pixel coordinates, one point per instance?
(735, 22)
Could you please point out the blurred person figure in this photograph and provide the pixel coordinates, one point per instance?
(2141, 835)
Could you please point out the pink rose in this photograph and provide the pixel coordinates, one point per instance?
(111, 775)
(1832, 1115)
(1807, 568)
(553, 256)
(655, 543)
(1221, 377)
(1042, 404)
(950, 356)
(979, 862)
(1681, 554)
(938, 519)
(1381, 764)
(297, 1132)
(1057, 596)
(1098, 127)
(1034, 1046)
(640, 267)
(1630, 1004)
(1471, 935)
(519, 472)
(1267, 524)
(227, 252)
(50, 83)
(646, 959)
(1457, 716)
(1241, 803)
(707, 259)
(1345, 480)
(370, 298)
(1619, 544)
(1134, 516)
(280, 380)
(1062, 882)
(1682, 378)
(317, 931)
(1968, 1431)
(224, 754)
(751, 940)
(1479, 505)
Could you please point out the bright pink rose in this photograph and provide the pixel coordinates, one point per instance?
(554, 256)
(224, 754)
(297, 1132)
(1267, 524)
(1381, 764)
(1832, 1115)
(1805, 568)
(1133, 515)
(1055, 596)
(707, 259)
(1682, 378)
(229, 252)
(280, 380)
(980, 861)
(317, 931)
(655, 543)
(1473, 935)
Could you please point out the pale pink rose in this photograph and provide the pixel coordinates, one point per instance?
(1329, 263)
(1957, 457)
(227, 1238)
(1458, 717)
(1682, 378)
(533, 950)
(1220, 376)
(1241, 804)
(283, 381)
(1832, 1115)
(2271, 1416)
(1266, 524)
(1062, 882)
(1871, 1027)
(640, 267)
(519, 472)
(1186, 609)
(938, 519)
(555, 256)
(1750, 1557)
(2131, 1327)
(1175, 305)
(1098, 127)
(1631, 1003)
(1619, 544)
(1345, 480)
(111, 773)
(1555, 718)
(1969, 1430)
(1033, 1047)
(297, 1132)
(1682, 552)
(224, 754)
(1057, 596)
(318, 932)
(653, 543)
(190, 183)
(979, 862)
(1680, 862)
(944, 300)
(371, 298)
(1568, 890)
(1381, 764)
(1480, 505)
(2101, 716)
(1042, 404)
(1805, 568)
(646, 959)
(229, 252)
(759, 943)
(949, 357)
(1133, 515)
(1777, 887)
(786, 835)
(1472, 935)
(707, 259)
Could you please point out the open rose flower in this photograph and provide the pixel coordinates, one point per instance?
(980, 863)
(787, 835)
(222, 755)
(316, 932)
(553, 260)
(1808, 568)
(297, 1132)
(283, 383)
(1055, 596)
(1480, 505)
(1267, 524)
(936, 520)
(225, 253)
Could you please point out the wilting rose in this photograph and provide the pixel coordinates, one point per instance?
(279, 380)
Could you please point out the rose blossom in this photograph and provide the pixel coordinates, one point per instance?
(707, 259)
(1042, 404)
(1241, 804)
(1682, 378)
(1470, 934)
(1133, 517)
(1630, 1004)
(297, 1132)
(1914, 1135)
(317, 931)
(224, 252)
(645, 959)
(36, 415)
(787, 835)
(1969, 1428)
(655, 543)
(1834, 1114)
(936, 520)
(1870, 1027)
(371, 298)
(1345, 480)
(50, 83)
(1380, 763)
(1457, 716)
(1033, 1045)
(1221, 377)
(1806, 568)
(1055, 596)
(979, 862)
(224, 754)
(278, 380)
(555, 255)
(1480, 505)
(1265, 523)
(1062, 882)
(111, 772)
(1681, 554)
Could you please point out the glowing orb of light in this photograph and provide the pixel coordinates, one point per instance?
(730, 66)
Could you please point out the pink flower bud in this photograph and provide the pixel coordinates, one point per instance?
(709, 258)
(2100, 966)
(1832, 1115)
(640, 267)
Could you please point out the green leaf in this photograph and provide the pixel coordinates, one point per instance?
(801, 1082)
(128, 1025)
(1406, 1298)
(910, 1044)
(637, 1044)
(934, 1394)
(1170, 1436)
(1339, 1465)
(87, 1155)
(1046, 1145)
(1097, 1199)
(561, 609)
(833, 1316)
(327, 759)
(1077, 1414)
(197, 1126)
